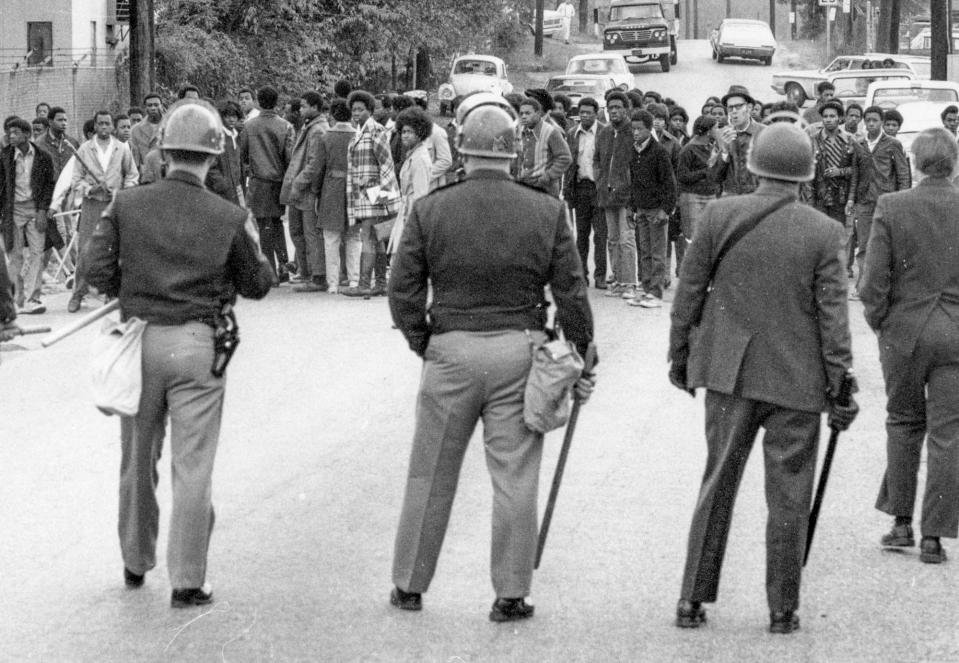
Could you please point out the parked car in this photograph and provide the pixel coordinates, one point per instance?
(852, 84)
(800, 85)
(474, 73)
(743, 38)
(552, 23)
(577, 86)
(602, 64)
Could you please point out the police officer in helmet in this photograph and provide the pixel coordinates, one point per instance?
(185, 254)
(762, 324)
(488, 247)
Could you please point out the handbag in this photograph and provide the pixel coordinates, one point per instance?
(117, 367)
(547, 399)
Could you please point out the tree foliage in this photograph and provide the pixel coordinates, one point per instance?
(221, 45)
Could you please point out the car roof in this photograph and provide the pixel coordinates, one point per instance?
(477, 56)
(917, 83)
(599, 77)
(597, 56)
(743, 21)
(888, 73)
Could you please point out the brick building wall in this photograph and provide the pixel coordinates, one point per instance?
(81, 91)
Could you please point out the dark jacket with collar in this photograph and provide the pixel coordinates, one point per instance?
(174, 252)
(731, 173)
(651, 173)
(614, 151)
(911, 262)
(488, 246)
(572, 138)
(692, 170)
(42, 182)
(880, 171)
(830, 192)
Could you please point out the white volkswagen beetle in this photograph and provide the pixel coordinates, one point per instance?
(474, 73)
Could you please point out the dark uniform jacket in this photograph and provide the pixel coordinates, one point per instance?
(614, 151)
(774, 326)
(174, 252)
(912, 262)
(883, 170)
(732, 174)
(488, 246)
(43, 179)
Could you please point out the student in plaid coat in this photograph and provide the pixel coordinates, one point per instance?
(370, 164)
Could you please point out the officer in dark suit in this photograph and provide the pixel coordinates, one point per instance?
(910, 290)
(486, 248)
(766, 333)
(175, 254)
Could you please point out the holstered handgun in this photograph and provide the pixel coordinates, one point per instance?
(225, 339)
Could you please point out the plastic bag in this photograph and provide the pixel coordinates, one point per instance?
(547, 401)
(117, 367)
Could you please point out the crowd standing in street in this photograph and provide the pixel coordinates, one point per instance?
(464, 227)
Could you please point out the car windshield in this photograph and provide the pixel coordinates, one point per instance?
(595, 66)
(576, 86)
(838, 64)
(635, 11)
(732, 34)
(483, 67)
(892, 97)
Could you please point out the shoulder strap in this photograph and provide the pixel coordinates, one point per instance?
(744, 230)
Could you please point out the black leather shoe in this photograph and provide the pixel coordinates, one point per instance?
(509, 610)
(690, 614)
(406, 600)
(188, 598)
(74, 304)
(900, 536)
(131, 579)
(783, 622)
(931, 551)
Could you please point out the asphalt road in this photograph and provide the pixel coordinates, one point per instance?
(308, 483)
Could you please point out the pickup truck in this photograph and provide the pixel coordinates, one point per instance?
(643, 30)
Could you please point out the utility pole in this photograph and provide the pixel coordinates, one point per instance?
(583, 16)
(729, 8)
(142, 62)
(941, 36)
(538, 29)
(772, 16)
(793, 19)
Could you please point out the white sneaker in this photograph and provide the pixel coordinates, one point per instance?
(629, 292)
(614, 290)
(652, 302)
(33, 307)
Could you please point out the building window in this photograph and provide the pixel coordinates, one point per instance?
(40, 43)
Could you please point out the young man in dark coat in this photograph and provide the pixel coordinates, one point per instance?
(580, 190)
(27, 179)
(653, 193)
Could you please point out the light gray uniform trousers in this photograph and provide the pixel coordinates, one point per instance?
(176, 382)
(468, 376)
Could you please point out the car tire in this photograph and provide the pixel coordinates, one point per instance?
(664, 62)
(720, 58)
(795, 94)
(768, 60)
(673, 53)
(714, 54)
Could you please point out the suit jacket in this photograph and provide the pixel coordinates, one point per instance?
(121, 172)
(731, 173)
(883, 170)
(301, 172)
(572, 174)
(774, 325)
(912, 262)
(42, 182)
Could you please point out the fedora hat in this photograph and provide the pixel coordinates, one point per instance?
(738, 91)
